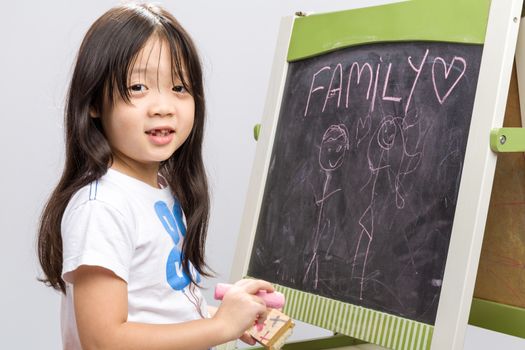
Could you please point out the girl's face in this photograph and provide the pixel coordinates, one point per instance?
(159, 118)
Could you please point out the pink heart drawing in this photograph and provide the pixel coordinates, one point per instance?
(447, 72)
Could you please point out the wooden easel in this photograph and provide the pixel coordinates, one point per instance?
(488, 314)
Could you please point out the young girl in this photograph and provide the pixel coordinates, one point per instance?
(123, 234)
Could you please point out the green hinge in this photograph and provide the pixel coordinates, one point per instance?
(507, 139)
(256, 131)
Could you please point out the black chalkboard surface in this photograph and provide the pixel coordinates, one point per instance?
(364, 174)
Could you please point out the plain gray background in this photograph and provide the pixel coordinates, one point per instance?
(39, 41)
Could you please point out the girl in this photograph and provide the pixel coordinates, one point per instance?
(113, 237)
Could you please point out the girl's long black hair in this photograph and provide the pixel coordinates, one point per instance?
(102, 68)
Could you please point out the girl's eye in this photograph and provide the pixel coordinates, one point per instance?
(138, 88)
(179, 89)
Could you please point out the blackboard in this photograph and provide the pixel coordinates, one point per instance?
(364, 174)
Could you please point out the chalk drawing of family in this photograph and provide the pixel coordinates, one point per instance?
(389, 162)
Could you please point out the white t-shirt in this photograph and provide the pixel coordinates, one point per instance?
(136, 231)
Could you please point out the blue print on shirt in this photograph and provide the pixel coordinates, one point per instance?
(174, 226)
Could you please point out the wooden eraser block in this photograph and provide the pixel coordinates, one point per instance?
(274, 331)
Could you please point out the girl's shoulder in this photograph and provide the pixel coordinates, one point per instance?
(103, 190)
(119, 192)
(101, 203)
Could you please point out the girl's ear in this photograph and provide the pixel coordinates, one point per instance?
(93, 113)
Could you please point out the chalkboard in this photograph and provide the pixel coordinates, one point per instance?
(364, 174)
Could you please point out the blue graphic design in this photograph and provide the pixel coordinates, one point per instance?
(174, 226)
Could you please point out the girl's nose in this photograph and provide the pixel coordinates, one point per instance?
(162, 105)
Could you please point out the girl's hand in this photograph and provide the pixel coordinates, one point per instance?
(240, 308)
(248, 339)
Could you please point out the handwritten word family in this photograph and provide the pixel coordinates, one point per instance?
(336, 81)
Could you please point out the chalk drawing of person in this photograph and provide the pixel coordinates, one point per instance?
(335, 143)
(389, 162)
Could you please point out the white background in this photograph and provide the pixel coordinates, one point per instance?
(39, 40)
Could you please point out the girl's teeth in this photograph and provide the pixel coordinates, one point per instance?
(160, 132)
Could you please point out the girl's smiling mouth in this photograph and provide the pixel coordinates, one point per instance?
(160, 136)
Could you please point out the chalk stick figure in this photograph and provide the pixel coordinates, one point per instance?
(335, 143)
(389, 162)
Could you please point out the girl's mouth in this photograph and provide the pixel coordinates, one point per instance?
(159, 132)
(162, 136)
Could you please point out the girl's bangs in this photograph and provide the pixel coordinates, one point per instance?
(125, 55)
(181, 64)
(122, 68)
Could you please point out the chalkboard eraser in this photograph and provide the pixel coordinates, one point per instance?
(273, 300)
(274, 331)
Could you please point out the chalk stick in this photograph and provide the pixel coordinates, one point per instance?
(274, 300)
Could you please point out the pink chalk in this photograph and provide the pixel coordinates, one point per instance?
(274, 300)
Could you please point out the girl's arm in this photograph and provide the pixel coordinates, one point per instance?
(101, 309)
